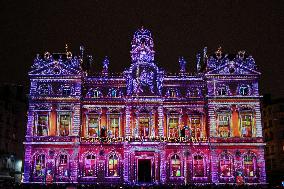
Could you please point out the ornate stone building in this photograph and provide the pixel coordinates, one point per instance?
(144, 125)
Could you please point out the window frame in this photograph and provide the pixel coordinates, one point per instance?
(192, 127)
(253, 164)
(224, 162)
(173, 116)
(242, 88)
(222, 90)
(251, 115)
(228, 114)
(117, 164)
(98, 118)
(62, 113)
(35, 165)
(93, 166)
(63, 90)
(203, 166)
(65, 166)
(38, 114)
(49, 89)
(111, 116)
(180, 166)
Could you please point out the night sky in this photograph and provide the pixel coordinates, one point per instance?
(180, 28)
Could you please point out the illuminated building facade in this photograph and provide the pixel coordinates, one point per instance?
(144, 125)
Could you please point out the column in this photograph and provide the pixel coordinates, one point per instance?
(74, 163)
(214, 166)
(161, 121)
(76, 120)
(127, 121)
(163, 166)
(30, 122)
(126, 165)
(27, 163)
(258, 132)
(212, 121)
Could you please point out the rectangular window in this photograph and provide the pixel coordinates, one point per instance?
(90, 164)
(40, 166)
(249, 166)
(93, 125)
(63, 166)
(42, 125)
(144, 125)
(64, 124)
(195, 127)
(223, 125)
(246, 123)
(198, 166)
(113, 166)
(173, 127)
(176, 166)
(225, 166)
(114, 126)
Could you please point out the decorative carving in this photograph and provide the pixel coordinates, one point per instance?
(182, 64)
(142, 46)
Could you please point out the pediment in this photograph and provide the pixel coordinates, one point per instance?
(55, 68)
(233, 67)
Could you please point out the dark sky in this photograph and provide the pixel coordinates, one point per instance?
(179, 28)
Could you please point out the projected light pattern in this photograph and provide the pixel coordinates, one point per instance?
(86, 127)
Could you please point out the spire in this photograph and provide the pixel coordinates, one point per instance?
(142, 46)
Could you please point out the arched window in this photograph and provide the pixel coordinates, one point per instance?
(249, 165)
(226, 163)
(172, 93)
(198, 166)
(94, 93)
(40, 165)
(90, 165)
(244, 90)
(113, 93)
(175, 166)
(44, 89)
(113, 166)
(63, 165)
